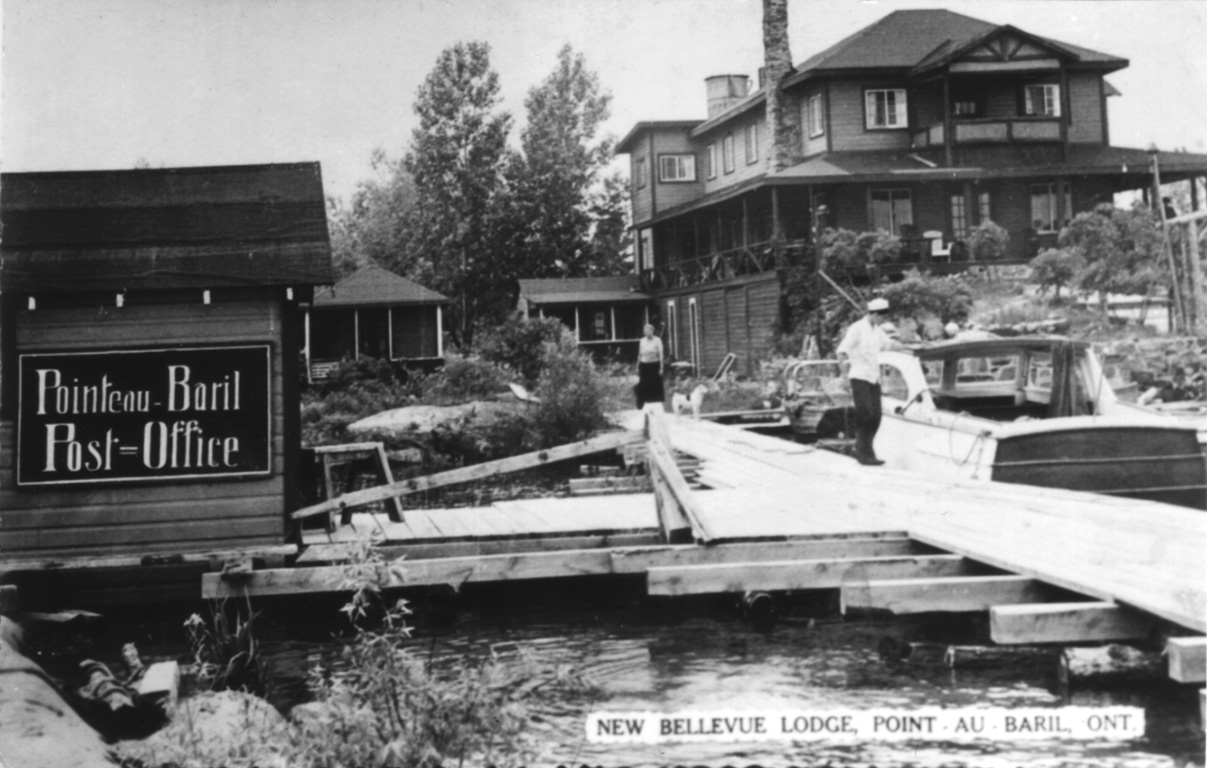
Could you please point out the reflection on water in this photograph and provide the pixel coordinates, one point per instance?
(657, 656)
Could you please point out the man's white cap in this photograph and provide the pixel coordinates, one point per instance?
(951, 328)
(878, 305)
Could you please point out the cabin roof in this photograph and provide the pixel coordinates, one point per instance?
(577, 290)
(375, 286)
(164, 228)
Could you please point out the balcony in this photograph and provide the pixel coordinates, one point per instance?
(1008, 130)
(753, 259)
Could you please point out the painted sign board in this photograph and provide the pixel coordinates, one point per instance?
(144, 415)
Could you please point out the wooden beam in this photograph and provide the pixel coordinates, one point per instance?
(272, 556)
(607, 442)
(1066, 623)
(796, 574)
(640, 560)
(961, 594)
(677, 507)
(1187, 659)
(325, 553)
(414, 573)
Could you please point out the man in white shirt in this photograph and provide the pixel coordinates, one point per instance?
(859, 353)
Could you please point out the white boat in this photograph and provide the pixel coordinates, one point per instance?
(1034, 410)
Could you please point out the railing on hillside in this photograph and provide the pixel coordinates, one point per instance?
(753, 259)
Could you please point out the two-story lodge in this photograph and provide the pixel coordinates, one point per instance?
(923, 125)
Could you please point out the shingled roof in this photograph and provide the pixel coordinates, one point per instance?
(375, 286)
(905, 39)
(574, 290)
(163, 228)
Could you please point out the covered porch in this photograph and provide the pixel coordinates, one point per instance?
(606, 314)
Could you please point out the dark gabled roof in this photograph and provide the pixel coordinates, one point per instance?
(626, 144)
(575, 290)
(163, 228)
(375, 286)
(907, 39)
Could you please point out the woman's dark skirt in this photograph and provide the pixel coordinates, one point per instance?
(649, 384)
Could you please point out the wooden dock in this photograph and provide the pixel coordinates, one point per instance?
(1049, 566)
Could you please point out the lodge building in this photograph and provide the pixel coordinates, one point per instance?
(923, 125)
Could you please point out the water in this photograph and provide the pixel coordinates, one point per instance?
(633, 653)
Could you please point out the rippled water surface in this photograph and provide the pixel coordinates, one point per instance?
(667, 656)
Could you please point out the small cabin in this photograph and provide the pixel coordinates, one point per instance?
(606, 314)
(374, 313)
(149, 345)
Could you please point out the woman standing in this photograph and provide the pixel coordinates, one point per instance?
(649, 369)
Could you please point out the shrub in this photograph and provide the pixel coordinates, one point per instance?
(1121, 251)
(463, 379)
(520, 345)
(1054, 269)
(847, 250)
(571, 395)
(921, 296)
(225, 650)
(988, 242)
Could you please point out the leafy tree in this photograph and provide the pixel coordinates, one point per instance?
(1121, 251)
(457, 160)
(1054, 269)
(853, 251)
(566, 222)
(376, 226)
(987, 242)
(919, 297)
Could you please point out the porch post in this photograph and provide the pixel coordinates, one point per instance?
(948, 139)
(745, 221)
(613, 308)
(1194, 194)
(356, 334)
(1065, 102)
(306, 323)
(577, 334)
(439, 331)
(390, 332)
(970, 210)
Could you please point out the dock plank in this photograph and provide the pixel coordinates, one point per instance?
(798, 574)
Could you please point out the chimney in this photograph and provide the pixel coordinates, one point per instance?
(781, 118)
(725, 91)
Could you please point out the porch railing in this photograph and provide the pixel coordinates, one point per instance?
(1009, 130)
(753, 259)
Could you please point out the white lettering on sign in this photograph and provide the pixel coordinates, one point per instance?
(922, 724)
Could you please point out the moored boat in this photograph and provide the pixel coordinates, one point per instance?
(1033, 410)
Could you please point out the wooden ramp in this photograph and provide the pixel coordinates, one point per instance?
(1131, 552)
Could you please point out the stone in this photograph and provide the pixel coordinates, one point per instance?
(425, 418)
(212, 729)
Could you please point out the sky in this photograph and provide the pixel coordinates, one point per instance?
(100, 84)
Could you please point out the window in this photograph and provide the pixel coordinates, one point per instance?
(727, 150)
(886, 108)
(959, 215)
(1051, 205)
(643, 173)
(712, 161)
(752, 144)
(891, 209)
(817, 115)
(1042, 100)
(984, 204)
(964, 108)
(677, 168)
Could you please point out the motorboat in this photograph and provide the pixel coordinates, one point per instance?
(1033, 410)
(817, 400)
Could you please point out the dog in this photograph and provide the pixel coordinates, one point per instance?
(681, 402)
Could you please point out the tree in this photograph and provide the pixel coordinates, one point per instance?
(1121, 251)
(376, 226)
(1055, 268)
(566, 221)
(457, 160)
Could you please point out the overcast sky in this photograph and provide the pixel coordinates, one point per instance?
(106, 83)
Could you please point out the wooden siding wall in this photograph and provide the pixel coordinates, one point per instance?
(643, 197)
(927, 108)
(146, 517)
(738, 317)
(847, 120)
(817, 144)
(414, 332)
(742, 171)
(1085, 100)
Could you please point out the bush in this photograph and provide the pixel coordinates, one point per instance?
(225, 650)
(1054, 269)
(571, 395)
(921, 296)
(844, 249)
(463, 379)
(519, 344)
(988, 242)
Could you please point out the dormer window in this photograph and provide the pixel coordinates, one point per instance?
(817, 116)
(752, 144)
(643, 173)
(712, 161)
(1042, 100)
(886, 108)
(727, 152)
(672, 168)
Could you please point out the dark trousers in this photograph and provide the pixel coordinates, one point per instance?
(867, 416)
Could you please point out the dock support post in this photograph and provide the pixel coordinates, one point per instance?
(760, 610)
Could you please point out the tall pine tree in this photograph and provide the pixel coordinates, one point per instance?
(457, 161)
